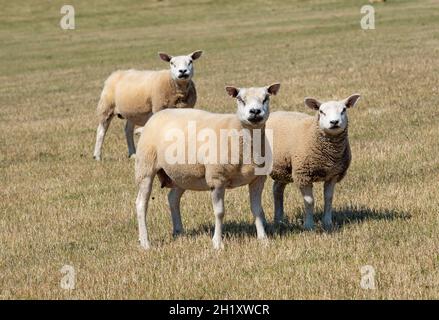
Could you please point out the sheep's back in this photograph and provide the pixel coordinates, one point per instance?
(134, 89)
(168, 122)
(162, 132)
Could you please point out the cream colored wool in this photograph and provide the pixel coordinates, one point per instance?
(136, 95)
(151, 160)
(303, 153)
(309, 149)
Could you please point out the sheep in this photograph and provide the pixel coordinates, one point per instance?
(135, 95)
(203, 173)
(310, 149)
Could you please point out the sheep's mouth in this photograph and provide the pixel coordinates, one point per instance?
(255, 119)
(183, 76)
(334, 127)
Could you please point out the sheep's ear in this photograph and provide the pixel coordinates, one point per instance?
(313, 103)
(196, 54)
(352, 100)
(232, 91)
(165, 57)
(273, 89)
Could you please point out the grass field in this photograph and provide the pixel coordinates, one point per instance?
(60, 207)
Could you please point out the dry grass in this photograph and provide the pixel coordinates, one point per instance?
(58, 206)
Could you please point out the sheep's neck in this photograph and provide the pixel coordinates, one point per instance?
(257, 151)
(181, 86)
(181, 90)
(332, 147)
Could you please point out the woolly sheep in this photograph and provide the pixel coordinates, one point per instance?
(135, 95)
(310, 149)
(151, 159)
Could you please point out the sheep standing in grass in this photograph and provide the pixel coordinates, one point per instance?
(206, 170)
(310, 149)
(135, 95)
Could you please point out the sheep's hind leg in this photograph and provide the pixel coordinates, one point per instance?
(255, 190)
(278, 196)
(145, 188)
(328, 192)
(174, 197)
(100, 135)
(129, 134)
(218, 208)
(308, 199)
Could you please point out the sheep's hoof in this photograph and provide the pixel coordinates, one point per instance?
(145, 245)
(132, 156)
(308, 226)
(217, 244)
(261, 235)
(177, 233)
(328, 226)
(97, 158)
(279, 215)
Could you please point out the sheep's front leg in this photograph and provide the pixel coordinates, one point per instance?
(328, 192)
(145, 188)
(218, 208)
(278, 196)
(308, 199)
(100, 135)
(174, 197)
(255, 190)
(129, 135)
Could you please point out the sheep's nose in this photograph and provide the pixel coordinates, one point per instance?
(255, 111)
(334, 122)
(182, 70)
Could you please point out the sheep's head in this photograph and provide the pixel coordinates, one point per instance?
(181, 66)
(333, 118)
(253, 103)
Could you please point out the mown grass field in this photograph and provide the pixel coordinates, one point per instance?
(60, 207)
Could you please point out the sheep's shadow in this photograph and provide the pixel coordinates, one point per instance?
(352, 215)
(241, 229)
(293, 224)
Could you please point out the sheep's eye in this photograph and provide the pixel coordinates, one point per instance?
(321, 112)
(190, 62)
(240, 100)
(344, 110)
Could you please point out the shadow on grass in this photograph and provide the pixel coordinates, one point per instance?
(351, 215)
(293, 225)
(241, 229)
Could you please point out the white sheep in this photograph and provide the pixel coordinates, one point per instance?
(135, 95)
(203, 173)
(309, 149)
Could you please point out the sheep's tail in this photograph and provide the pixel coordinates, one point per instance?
(106, 103)
(146, 163)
